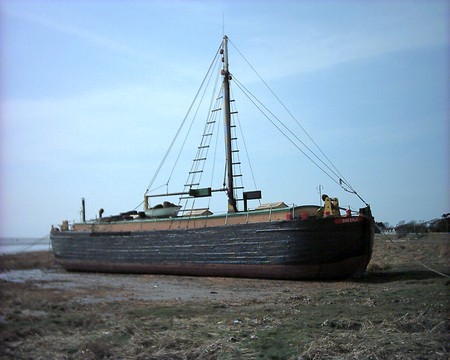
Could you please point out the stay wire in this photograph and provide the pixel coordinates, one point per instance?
(182, 123)
(216, 141)
(209, 74)
(288, 111)
(342, 179)
(257, 104)
(419, 262)
(341, 182)
(33, 243)
(246, 150)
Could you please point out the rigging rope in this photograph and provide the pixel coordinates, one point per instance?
(419, 262)
(288, 111)
(195, 175)
(336, 172)
(192, 123)
(246, 151)
(33, 243)
(249, 96)
(328, 168)
(182, 123)
(213, 166)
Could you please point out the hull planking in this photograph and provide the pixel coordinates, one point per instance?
(313, 248)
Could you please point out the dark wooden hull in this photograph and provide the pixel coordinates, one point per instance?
(320, 248)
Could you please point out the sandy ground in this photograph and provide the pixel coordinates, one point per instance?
(113, 287)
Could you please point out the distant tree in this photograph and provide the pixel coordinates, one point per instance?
(420, 227)
(414, 227)
(382, 227)
(439, 225)
(379, 227)
(446, 219)
(417, 227)
(401, 228)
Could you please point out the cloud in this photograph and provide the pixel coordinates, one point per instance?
(86, 34)
(90, 118)
(368, 31)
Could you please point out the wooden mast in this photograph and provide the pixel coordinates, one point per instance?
(227, 118)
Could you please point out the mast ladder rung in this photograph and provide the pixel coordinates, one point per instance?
(214, 110)
(238, 187)
(211, 122)
(237, 175)
(193, 184)
(200, 159)
(195, 172)
(209, 134)
(234, 151)
(203, 146)
(233, 138)
(236, 163)
(233, 112)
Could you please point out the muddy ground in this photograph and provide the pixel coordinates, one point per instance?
(398, 309)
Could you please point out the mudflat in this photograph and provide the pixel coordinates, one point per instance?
(398, 309)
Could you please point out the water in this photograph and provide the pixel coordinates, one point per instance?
(18, 245)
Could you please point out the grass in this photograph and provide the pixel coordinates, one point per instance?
(397, 310)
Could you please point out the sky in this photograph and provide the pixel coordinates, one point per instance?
(92, 93)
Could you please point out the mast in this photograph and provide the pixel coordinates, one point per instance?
(227, 119)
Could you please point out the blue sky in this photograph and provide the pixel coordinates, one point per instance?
(93, 91)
